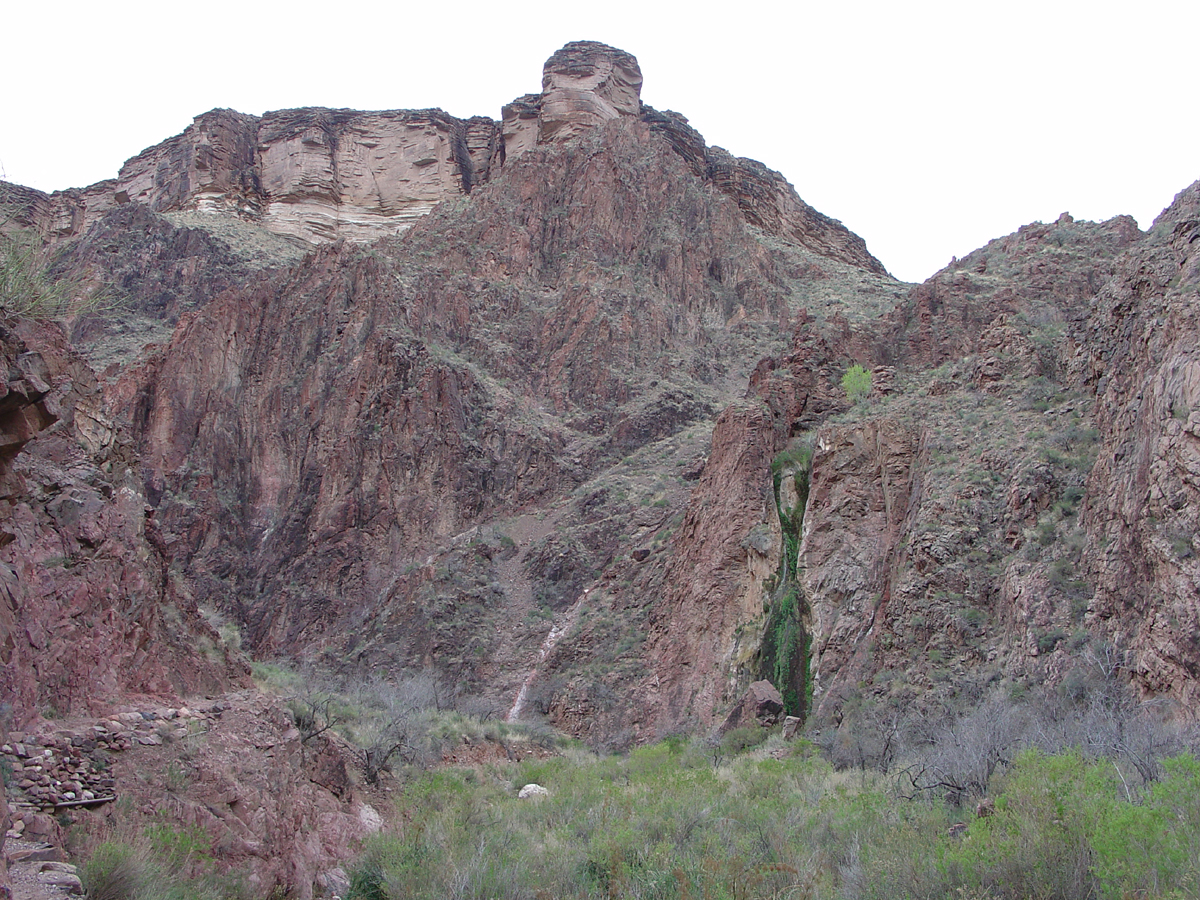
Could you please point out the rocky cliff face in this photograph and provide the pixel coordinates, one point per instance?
(491, 444)
(89, 609)
(317, 174)
(497, 358)
(1138, 356)
(1014, 498)
(323, 174)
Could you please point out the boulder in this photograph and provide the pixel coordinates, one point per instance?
(532, 791)
(762, 705)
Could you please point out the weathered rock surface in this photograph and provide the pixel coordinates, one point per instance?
(571, 363)
(761, 705)
(335, 444)
(585, 84)
(5, 824)
(327, 174)
(1140, 355)
(87, 608)
(713, 584)
(318, 174)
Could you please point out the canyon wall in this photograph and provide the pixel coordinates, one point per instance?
(90, 611)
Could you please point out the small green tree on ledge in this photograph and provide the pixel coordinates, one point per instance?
(856, 383)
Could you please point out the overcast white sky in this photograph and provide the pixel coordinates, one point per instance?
(928, 128)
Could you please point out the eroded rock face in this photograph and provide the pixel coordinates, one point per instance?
(327, 174)
(1140, 355)
(317, 174)
(942, 546)
(333, 446)
(714, 580)
(5, 822)
(865, 491)
(584, 85)
(761, 705)
(493, 359)
(87, 609)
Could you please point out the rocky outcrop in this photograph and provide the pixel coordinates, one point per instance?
(761, 705)
(24, 411)
(87, 607)
(586, 84)
(327, 174)
(310, 451)
(864, 499)
(1041, 275)
(323, 174)
(1140, 356)
(769, 202)
(278, 807)
(714, 581)
(5, 823)
(937, 554)
(317, 174)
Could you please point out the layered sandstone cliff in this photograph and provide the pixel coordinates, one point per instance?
(322, 174)
(316, 174)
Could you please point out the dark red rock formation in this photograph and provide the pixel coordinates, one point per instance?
(313, 440)
(331, 446)
(1048, 273)
(87, 608)
(1140, 355)
(713, 581)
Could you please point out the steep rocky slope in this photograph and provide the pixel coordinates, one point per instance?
(576, 439)
(551, 410)
(1015, 497)
(1139, 356)
(494, 360)
(90, 609)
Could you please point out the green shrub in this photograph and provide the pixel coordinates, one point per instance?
(27, 287)
(856, 382)
(116, 871)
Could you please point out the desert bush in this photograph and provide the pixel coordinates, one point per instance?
(27, 286)
(160, 862)
(856, 382)
(665, 822)
(116, 871)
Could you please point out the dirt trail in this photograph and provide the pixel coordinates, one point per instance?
(29, 882)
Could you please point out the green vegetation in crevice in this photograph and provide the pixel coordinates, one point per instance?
(856, 382)
(784, 655)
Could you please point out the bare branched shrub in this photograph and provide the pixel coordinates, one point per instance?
(395, 720)
(1094, 712)
(961, 756)
(1097, 712)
